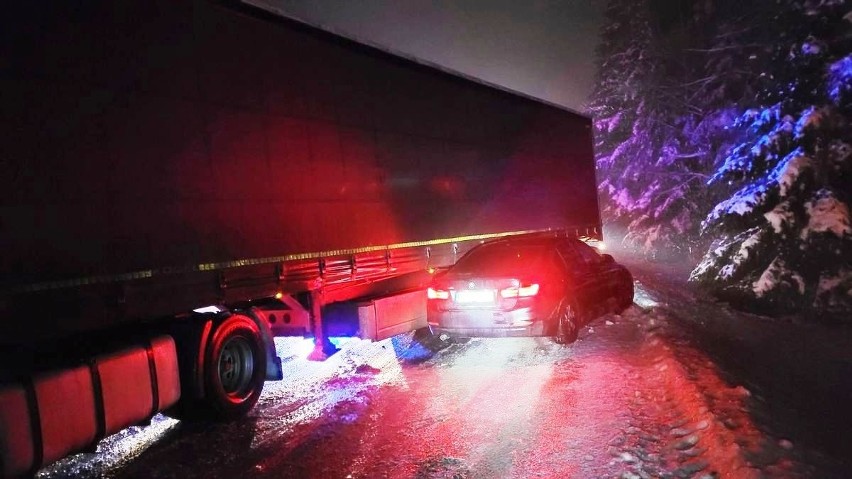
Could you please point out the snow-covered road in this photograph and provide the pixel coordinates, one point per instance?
(635, 397)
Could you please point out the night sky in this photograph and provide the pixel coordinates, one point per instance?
(544, 48)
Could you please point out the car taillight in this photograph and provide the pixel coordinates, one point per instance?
(432, 293)
(520, 291)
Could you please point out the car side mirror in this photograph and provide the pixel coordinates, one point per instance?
(607, 259)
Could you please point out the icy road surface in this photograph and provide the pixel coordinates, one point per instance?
(633, 398)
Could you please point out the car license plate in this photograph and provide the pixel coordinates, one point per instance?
(475, 296)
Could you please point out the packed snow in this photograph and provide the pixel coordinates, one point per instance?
(777, 276)
(827, 214)
(789, 169)
(781, 217)
(840, 78)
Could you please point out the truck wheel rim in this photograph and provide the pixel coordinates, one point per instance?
(236, 365)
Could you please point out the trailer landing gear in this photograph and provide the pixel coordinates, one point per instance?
(323, 348)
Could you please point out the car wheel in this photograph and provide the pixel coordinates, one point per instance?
(567, 324)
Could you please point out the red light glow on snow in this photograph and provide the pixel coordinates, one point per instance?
(627, 396)
(517, 407)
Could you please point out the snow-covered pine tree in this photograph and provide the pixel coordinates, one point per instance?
(650, 169)
(624, 62)
(782, 238)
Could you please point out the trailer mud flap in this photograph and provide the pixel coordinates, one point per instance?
(384, 317)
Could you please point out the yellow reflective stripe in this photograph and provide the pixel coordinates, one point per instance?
(150, 273)
(350, 251)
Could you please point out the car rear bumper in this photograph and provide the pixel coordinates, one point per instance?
(486, 323)
(529, 331)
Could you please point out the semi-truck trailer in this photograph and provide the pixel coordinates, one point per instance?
(185, 180)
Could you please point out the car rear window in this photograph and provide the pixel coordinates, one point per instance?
(589, 254)
(502, 258)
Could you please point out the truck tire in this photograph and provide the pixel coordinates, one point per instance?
(234, 368)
